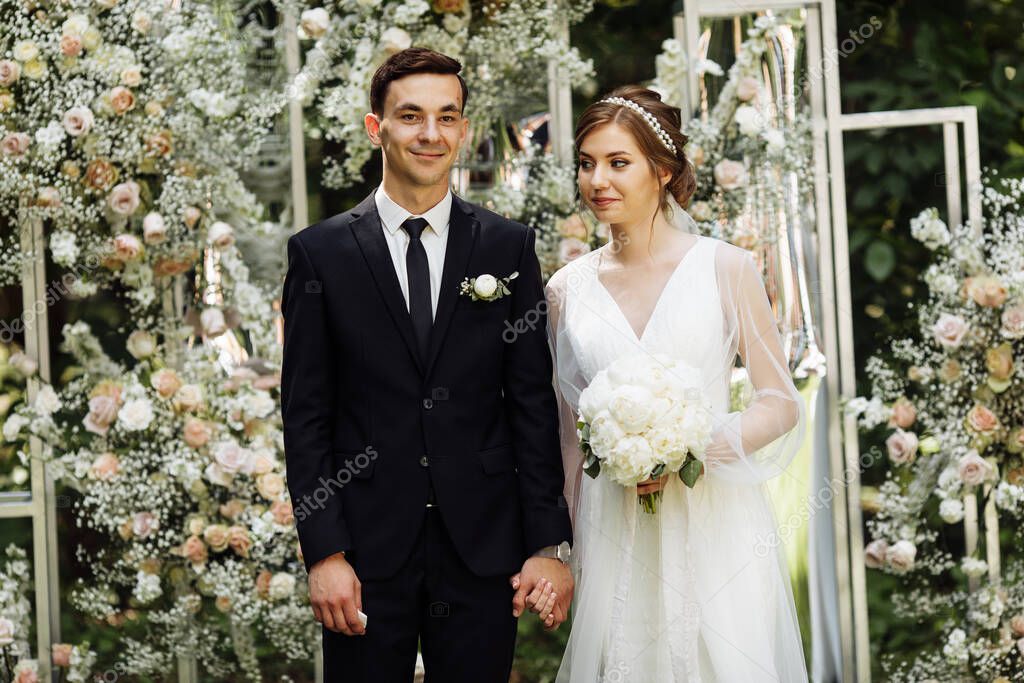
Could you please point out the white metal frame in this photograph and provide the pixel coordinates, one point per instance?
(39, 503)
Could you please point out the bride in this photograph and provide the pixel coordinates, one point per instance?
(699, 590)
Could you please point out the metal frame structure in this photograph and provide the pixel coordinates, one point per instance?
(39, 504)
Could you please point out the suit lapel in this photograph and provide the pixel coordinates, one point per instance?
(462, 235)
(369, 235)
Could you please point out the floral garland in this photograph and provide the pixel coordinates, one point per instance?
(741, 149)
(503, 45)
(123, 126)
(952, 400)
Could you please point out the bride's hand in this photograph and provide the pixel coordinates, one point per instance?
(651, 485)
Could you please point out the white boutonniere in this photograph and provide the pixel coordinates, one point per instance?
(486, 287)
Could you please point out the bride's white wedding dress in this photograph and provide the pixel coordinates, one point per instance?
(698, 591)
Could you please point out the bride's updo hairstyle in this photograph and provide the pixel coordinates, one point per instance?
(683, 181)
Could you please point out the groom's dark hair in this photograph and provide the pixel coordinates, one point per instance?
(413, 60)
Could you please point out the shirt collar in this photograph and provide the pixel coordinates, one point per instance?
(392, 215)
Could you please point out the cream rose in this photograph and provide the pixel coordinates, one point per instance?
(973, 469)
(196, 432)
(212, 321)
(144, 524)
(165, 381)
(232, 458)
(900, 556)
(986, 290)
(35, 69)
(154, 229)
(395, 40)
(100, 174)
(124, 198)
(485, 285)
(122, 100)
(314, 22)
(25, 50)
(874, 553)
(78, 121)
(127, 247)
(982, 420)
(189, 397)
(105, 467)
(216, 536)
(141, 344)
(131, 76)
(730, 174)
(194, 550)
(282, 512)
(238, 539)
(999, 362)
(949, 330)
(221, 235)
(951, 511)
(142, 22)
(270, 485)
(190, 216)
(7, 631)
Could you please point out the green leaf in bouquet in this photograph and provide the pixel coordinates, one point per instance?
(584, 431)
(691, 471)
(658, 471)
(592, 466)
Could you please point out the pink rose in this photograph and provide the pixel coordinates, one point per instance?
(10, 71)
(232, 509)
(122, 100)
(1017, 624)
(154, 230)
(573, 226)
(61, 654)
(746, 88)
(238, 539)
(70, 46)
(973, 469)
(127, 247)
(189, 397)
(982, 420)
(15, 144)
(903, 413)
(194, 550)
(144, 524)
(221, 235)
(949, 330)
(197, 433)
(165, 381)
(282, 512)
(124, 198)
(26, 674)
(874, 553)
(105, 467)
(102, 411)
(902, 447)
(263, 583)
(986, 290)
(571, 248)
(1013, 322)
(730, 174)
(232, 458)
(78, 121)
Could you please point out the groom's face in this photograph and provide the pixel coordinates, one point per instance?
(421, 128)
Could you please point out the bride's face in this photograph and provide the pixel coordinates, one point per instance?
(615, 177)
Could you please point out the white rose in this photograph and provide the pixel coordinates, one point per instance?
(233, 458)
(951, 510)
(900, 556)
(749, 120)
(282, 585)
(75, 25)
(395, 40)
(485, 285)
(131, 76)
(874, 553)
(154, 230)
(949, 330)
(141, 344)
(78, 120)
(25, 50)
(973, 469)
(135, 415)
(631, 406)
(7, 631)
(212, 322)
(221, 235)
(314, 23)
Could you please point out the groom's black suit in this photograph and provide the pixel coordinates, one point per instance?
(369, 426)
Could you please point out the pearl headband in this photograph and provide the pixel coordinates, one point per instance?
(649, 118)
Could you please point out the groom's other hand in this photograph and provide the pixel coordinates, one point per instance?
(533, 593)
(336, 595)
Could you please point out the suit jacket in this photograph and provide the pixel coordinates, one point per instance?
(367, 421)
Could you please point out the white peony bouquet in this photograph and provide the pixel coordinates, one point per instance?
(642, 416)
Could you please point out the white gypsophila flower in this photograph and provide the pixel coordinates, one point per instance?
(50, 136)
(929, 229)
(775, 141)
(749, 120)
(410, 11)
(973, 567)
(64, 247)
(1010, 497)
(282, 586)
(13, 426)
(136, 414)
(47, 402)
(955, 649)
(941, 282)
(147, 587)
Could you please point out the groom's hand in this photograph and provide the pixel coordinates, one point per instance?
(336, 595)
(545, 586)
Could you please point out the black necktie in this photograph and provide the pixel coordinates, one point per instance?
(419, 284)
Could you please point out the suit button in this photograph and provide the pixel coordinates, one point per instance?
(424, 462)
(428, 403)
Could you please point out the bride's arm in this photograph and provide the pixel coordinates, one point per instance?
(572, 458)
(758, 442)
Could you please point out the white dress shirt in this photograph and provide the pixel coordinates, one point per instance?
(434, 239)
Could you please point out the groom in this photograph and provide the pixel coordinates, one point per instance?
(422, 447)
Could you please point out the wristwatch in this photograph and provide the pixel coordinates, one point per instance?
(560, 552)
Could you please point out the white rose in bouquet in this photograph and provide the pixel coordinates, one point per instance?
(643, 416)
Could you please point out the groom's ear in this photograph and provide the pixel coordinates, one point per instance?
(372, 123)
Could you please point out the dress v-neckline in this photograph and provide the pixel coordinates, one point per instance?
(657, 304)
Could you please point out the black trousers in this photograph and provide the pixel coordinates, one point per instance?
(463, 622)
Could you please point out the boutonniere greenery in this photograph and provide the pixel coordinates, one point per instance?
(486, 287)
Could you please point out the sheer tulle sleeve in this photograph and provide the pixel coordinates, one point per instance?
(568, 386)
(754, 444)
